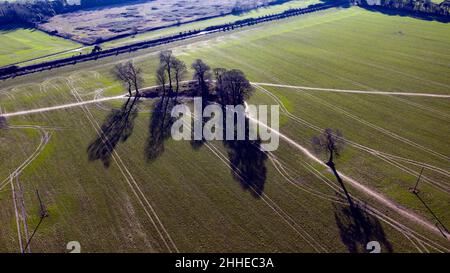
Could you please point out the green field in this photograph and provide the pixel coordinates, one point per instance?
(210, 22)
(190, 197)
(20, 44)
(30, 46)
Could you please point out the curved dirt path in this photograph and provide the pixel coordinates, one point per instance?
(389, 158)
(18, 198)
(379, 197)
(403, 211)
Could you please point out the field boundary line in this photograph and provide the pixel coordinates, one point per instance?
(386, 93)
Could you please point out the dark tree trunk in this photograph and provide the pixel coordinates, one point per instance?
(129, 91)
(137, 90)
(177, 90)
(169, 73)
(330, 164)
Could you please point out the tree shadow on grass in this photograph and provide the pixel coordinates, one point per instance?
(117, 127)
(248, 163)
(3, 123)
(160, 128)
(196, 144)
(390, 11)
(405, 13)
(357, 228)
(6, 28)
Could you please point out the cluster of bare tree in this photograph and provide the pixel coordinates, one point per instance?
(130, 76)
(170, 74)
(226, 87)
(232, 86)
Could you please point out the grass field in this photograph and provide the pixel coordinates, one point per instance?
(27, 55)
(87, 26)
(125, 202)
(19, 44)
(210, 22)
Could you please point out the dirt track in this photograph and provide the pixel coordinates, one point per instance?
(386, 201)
(379, 197)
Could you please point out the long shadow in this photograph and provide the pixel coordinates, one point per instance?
(196, 144)
(159, 128)
(100, 7)
(3, 123)
(248, 163)
(339, 179)
(357, 228)
(338, 3)
(5, 28)
(117, 127)
(389, 11)
(406, 13)
(435, 217)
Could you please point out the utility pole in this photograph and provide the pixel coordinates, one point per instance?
(42, 214)
(415, 190)
(42, 211)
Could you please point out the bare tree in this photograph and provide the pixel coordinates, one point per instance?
(161, 79)
(172, 69)
(96, 49)
(202, 75)
(236, 86)
(220, 91)
(180, 70)
(135, 73)
(120, 73)
(331, 143)
(165, 60)
(130, 75)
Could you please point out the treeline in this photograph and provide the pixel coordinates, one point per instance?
(271, 17)
(243, 6)
(420, 6)
(99, 3)
(34, 12)
(38, 11)
(30, 12)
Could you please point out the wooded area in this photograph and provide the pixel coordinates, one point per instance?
(39, 10)
(423, 6)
